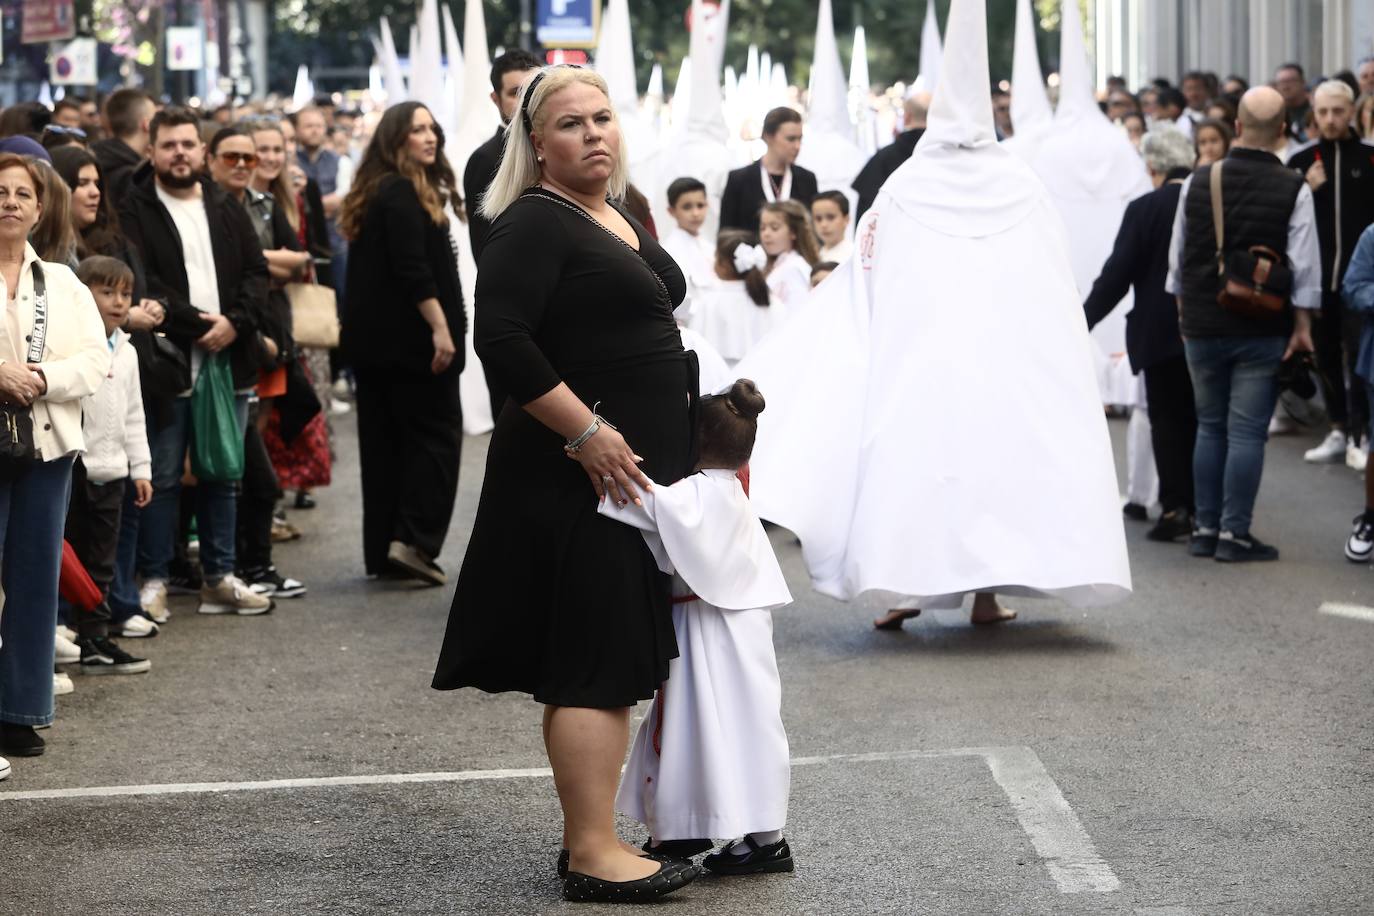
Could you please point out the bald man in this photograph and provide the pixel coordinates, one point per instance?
(1234, 359)
(1339, 169)
(888, 159)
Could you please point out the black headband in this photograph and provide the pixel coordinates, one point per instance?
(529, 94)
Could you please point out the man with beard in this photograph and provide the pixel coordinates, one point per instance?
(202, 257)
(886, 160)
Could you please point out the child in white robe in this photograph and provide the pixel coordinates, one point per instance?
(711, 757)
(786, 235)
(738, 310)
(689, 245)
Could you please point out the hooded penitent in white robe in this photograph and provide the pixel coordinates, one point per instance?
(1031, 115)
(711, 757)
(829, 148)
(1092, 172)
(933, 415)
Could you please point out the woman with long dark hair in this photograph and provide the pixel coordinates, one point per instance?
(402, 312)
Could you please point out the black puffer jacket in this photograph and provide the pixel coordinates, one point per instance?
(1344, 204)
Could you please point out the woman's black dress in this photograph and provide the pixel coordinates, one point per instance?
(553, 599)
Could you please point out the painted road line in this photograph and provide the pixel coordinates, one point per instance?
(1352, 611)
(1041, 809)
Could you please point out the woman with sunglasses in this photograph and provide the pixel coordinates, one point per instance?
(233, 159)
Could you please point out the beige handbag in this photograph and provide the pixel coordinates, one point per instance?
(314, 315)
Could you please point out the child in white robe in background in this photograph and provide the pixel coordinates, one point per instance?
(738, 310)
(786, 234)
(711, 756)
(689, 245)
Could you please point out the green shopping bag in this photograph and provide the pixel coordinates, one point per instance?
(216, 440)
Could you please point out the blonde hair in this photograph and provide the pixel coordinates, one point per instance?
(519, 166)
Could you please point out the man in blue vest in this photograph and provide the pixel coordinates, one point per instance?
(1234, 359)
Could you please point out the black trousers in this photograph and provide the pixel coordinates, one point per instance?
(93, 531)
(1173, 430)
(257, 498)
(1336, 335)
(410, 437)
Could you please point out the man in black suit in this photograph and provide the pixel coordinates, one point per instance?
(508, 74)
(888, 159)
(773, 177)
(1140, 259)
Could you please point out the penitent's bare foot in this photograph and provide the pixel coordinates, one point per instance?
(892, 620)
(987, 611)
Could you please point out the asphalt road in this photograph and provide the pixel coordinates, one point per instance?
(1204, 748)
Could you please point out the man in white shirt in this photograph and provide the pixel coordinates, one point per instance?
(201, 255)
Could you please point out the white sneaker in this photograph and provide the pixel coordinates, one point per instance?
(153, 599)
(136, 627)
(62, 685)
(1357, 456)
(4, 768)
(339, 408)
(66, 633)
(67, 652)
(1360, 545)
(1331, 451)
(1282, 425)
(232, 596)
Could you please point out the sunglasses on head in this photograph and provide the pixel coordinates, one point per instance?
(249, 160)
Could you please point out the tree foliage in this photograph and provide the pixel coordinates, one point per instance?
(335, 33)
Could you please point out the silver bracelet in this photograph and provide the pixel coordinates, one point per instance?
(575, 445)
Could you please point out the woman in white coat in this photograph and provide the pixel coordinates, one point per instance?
(53, 353)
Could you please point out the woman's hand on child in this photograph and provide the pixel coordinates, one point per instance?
(612, 466)
(143, 493)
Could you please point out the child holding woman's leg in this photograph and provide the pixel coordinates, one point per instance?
(711, 756)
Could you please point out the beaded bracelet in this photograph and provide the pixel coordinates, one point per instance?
(574, 446)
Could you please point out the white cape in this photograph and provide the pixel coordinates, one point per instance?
(933, 424)
(711, 757)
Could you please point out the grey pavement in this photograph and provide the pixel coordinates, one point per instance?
(1211, 738)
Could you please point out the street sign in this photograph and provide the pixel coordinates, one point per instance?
(567, 23)
(73, 64)
(47, 20)
(185, 48)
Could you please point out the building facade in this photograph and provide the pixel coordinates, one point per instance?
(1144, 39)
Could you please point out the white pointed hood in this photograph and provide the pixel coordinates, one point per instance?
(426, 61)
(304, 92)
(1077, 100)
(959, 181)
(932, 53)
(865, 119)
(828, 106)
(454, 71)
(615, 57)
(655, 88)
(478, 116)
(1030, 104)
(393, 82)
(705, 117)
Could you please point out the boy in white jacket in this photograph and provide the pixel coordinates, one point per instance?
(116, 450)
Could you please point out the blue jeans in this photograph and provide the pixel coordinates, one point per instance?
(33, 512)
(1235, 387)
(216, 501)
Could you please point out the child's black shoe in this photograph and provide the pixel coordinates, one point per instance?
(775, 857)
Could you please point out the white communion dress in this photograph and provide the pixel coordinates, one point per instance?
(711, 759)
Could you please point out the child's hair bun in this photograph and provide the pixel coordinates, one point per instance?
(745, 399)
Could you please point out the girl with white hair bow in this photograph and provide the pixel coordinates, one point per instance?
(738, 311)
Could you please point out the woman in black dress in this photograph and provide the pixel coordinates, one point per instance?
(574, 317)
(401, 315)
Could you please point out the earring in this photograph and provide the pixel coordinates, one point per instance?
(538, 158)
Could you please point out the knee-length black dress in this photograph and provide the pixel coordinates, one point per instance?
(553, 599)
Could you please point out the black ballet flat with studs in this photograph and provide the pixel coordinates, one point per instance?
(680, 850)
(775, 857)
(563, 857)
(671, 876)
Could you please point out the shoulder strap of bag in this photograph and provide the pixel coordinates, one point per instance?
(40, 316)
(1218, 215)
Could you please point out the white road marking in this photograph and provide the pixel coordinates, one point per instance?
(1353, 611)
(1041, 809)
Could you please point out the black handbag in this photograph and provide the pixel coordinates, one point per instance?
(162, 363)
(16, 421)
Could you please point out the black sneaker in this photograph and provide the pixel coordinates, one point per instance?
(20, 740)
(1247, 549)
(1202, 544)
(1136, 512)
(1171, 526)
(272, 583)
(185, 578)
(101, 655)
(304, 500)
(775, 857)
